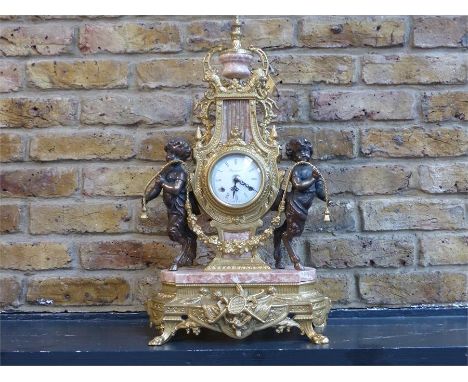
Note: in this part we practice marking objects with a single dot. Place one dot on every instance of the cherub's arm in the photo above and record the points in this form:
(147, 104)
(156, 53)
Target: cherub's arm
(178, 184)
(277, 201)
(299, 184)
(320, 189)
(155, 191)
(173, 188)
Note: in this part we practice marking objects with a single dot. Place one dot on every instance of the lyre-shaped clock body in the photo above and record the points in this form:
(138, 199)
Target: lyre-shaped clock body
(236, 178)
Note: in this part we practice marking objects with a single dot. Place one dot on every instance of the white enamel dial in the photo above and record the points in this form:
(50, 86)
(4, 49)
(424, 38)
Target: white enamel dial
(235, 179)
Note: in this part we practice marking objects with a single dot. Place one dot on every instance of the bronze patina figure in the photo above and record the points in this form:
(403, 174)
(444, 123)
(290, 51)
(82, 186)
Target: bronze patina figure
(173, 183)
(306, 184)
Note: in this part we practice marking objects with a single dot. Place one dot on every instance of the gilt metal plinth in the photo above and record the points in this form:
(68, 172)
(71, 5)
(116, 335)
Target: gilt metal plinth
(238, 304)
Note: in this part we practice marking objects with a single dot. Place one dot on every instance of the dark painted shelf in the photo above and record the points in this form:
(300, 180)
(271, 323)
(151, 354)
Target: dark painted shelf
(357, 337)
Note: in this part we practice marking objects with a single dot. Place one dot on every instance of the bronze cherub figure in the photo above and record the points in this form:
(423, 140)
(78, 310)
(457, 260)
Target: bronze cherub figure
(306, 184)
(172, 181)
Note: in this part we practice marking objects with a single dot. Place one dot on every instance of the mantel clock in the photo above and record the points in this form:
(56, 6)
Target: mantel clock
(236, 182)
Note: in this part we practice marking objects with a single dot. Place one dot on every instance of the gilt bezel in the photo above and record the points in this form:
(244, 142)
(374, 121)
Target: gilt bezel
(218, 158)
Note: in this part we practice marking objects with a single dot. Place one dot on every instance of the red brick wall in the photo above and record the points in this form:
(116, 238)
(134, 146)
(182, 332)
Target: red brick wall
(86, 104)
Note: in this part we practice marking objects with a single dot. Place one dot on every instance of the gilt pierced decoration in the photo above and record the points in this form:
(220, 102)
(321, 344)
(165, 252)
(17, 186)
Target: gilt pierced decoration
(238, 311)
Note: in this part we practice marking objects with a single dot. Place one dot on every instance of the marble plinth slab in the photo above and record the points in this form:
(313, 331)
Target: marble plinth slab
(275, 276)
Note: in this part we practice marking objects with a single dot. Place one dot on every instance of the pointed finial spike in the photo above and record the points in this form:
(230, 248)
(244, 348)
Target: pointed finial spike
(236, 33)
(273, 133)
(198, 137)
(198, 134)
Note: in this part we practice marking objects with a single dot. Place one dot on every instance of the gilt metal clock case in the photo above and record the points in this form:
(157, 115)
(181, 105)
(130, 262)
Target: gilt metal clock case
(265, 154)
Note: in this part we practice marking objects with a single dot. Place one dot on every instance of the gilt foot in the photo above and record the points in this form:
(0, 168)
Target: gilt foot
(308, 329)
(169, 329)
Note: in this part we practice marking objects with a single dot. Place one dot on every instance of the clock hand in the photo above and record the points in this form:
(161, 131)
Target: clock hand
(234, 188)
(249, 187)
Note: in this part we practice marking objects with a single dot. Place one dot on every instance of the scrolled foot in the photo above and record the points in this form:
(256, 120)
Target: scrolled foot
(160, 340)
(319, 339)
(157, 341)
(308, 329)
(169, 330)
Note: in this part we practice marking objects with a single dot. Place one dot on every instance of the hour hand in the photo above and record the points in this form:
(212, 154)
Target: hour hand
(234, 188)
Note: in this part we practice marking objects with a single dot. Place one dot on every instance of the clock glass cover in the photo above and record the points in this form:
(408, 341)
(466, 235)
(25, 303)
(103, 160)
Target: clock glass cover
(235, 179)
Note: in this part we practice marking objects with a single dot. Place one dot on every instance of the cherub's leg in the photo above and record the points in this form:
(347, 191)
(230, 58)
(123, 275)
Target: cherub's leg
(182, 234)
(277, 255)
(175, 263)
(287, 243)
(175, 234)
(183, 258)
(189, 248)
(192, 246)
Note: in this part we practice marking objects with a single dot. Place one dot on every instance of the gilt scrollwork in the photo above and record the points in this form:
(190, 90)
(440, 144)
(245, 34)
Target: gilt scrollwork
(259, 86)
(239, 311)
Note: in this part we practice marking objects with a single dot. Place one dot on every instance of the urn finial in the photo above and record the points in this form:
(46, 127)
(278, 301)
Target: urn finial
(236, 61)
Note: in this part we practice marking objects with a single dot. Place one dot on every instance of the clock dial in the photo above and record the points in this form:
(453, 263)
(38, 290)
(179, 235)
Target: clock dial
(235, 179)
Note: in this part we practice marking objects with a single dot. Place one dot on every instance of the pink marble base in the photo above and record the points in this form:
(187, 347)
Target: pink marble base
(275, 276)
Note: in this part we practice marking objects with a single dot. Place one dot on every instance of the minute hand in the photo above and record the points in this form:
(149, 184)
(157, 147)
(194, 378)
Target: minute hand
(250, 188)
